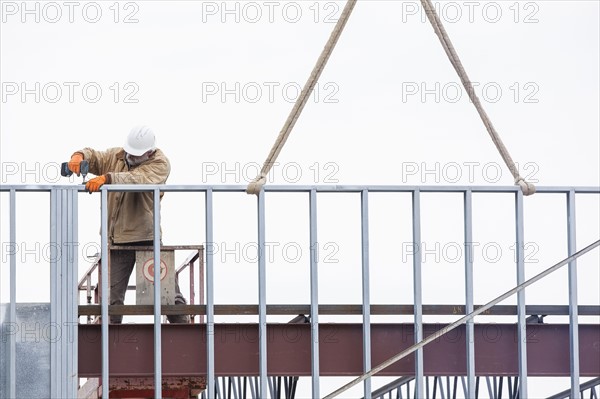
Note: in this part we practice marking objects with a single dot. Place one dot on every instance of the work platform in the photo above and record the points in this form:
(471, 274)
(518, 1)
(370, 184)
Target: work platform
(312, 347)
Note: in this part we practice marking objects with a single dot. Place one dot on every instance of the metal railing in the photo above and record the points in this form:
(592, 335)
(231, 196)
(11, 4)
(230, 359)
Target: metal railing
(419, 345)
(587, 386)
(435, 387)
(64, 230)
(93, 290)
(496, 387)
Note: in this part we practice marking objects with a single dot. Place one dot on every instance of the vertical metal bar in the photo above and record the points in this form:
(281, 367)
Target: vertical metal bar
(88, 281)
(201, 280)
(454, 388)
(59, 350)
(366, 302)
(54, 255)
(314, 295)
(491, 393)
(68, 304)
(573, 314)
(262, 296)
(105, 292)
(210, 311)
(271, 389)
(74, 294)
(192, 290)
(521, 315)
(56, 282)
(63, 290)
(157, 301)
(418, 303)
(12, 367)
(70, 281)
(470, 329)
(252, 387)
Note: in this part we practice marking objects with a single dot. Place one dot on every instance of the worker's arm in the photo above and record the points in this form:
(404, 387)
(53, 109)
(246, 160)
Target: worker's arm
(154, 171)
(101, 162)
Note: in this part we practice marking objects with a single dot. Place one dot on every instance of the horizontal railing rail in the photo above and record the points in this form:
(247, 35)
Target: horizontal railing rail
(305, 188)
(337, 310)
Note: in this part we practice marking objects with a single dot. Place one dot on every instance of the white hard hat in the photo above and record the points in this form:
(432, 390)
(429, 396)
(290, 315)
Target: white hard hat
(140, 140)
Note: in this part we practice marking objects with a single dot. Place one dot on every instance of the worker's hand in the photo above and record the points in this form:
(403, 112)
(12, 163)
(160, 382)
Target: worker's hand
(75, 162)
(94, 184)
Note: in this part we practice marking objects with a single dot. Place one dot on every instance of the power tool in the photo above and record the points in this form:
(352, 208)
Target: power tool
(84, 168)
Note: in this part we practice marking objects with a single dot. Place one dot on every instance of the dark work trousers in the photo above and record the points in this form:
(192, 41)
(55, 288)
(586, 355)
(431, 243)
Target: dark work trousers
(121, 267)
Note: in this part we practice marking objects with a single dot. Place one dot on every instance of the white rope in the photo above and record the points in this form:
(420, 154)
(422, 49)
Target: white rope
(255, 186)
(526, 187)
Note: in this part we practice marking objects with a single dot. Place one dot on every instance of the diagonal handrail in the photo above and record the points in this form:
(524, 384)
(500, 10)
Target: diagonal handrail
(462, 320)
(586, 385)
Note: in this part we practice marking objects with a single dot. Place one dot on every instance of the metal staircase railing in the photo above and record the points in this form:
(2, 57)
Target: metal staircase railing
(584, 388)
(496, 387)
(435, 388)
(463, 320)
(237, 387)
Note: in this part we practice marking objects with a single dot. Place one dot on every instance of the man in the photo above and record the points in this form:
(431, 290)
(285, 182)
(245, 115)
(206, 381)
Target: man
(130, 214)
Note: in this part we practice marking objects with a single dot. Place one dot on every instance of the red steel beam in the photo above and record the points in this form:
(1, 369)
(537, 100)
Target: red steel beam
(149, 393)
(340, 346)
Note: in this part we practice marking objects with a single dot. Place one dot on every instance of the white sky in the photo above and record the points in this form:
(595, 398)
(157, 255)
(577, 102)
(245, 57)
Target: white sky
(216, 81)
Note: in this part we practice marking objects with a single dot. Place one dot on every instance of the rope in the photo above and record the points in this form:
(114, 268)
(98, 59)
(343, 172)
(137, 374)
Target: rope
(462, 320)
(526, 187)
(256, 185)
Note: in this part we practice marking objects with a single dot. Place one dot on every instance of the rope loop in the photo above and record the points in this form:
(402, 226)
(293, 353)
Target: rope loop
(526, 187)
(256, 185)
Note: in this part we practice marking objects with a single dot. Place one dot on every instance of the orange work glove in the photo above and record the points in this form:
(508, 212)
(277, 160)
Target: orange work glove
(94, 184)
(74, 163)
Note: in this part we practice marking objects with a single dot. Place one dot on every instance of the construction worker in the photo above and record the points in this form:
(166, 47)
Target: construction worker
(130, 214)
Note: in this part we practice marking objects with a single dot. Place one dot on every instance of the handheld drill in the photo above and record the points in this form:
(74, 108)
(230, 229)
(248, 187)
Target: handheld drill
(84, 168)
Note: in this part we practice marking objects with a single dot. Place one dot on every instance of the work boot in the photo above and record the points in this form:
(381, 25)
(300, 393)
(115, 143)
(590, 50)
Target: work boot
(179, 319)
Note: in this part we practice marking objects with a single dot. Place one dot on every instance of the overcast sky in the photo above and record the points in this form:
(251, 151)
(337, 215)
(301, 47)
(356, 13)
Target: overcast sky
(216, 81)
